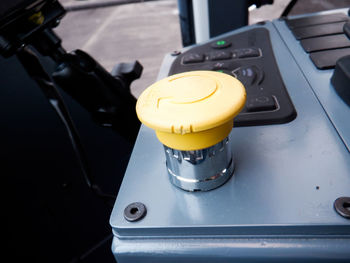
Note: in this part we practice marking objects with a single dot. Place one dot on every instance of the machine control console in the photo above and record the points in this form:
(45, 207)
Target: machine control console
(248, 56)
(289, 195)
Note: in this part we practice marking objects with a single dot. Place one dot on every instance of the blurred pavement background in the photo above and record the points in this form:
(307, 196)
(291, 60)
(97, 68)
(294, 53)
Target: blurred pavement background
(146, 30)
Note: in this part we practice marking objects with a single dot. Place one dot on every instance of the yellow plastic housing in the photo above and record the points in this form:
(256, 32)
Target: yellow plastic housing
(192, 110)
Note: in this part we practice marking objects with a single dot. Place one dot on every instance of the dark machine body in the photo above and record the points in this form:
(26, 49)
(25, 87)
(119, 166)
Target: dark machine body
(67, 126)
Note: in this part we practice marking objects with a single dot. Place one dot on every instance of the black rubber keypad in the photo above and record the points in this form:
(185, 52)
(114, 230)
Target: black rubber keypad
(324, 37)
(193, 58)
(318, 30)
(328, 58)
(247, 56)
(316, 20)
(325, 43)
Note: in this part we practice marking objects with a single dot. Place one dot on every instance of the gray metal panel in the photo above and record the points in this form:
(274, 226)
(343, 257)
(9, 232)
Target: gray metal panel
(225, 250)
(274, 189)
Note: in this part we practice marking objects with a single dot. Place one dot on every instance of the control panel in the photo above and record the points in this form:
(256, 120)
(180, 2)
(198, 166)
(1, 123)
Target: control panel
(289, 196)
(248, 56)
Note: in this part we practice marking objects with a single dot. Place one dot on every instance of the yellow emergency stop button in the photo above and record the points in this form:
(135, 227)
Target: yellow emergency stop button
(192, 110)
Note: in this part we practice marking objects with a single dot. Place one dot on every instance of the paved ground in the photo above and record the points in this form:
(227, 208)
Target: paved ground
(143, 31)
(146, 30)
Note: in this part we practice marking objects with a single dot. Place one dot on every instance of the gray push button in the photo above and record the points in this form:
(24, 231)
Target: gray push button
(248, 52)
(262, 103)
(220, 55)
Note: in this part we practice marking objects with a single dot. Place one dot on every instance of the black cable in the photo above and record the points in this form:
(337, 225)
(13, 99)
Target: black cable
(34, 68)
(288, 8)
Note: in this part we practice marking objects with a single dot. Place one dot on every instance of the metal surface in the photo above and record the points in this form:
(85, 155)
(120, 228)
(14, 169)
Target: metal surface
(200, 170)
(227, 250)
(279, 204)
(201, 20)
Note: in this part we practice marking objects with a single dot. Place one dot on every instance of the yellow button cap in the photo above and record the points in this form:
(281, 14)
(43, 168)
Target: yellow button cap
(192, 110)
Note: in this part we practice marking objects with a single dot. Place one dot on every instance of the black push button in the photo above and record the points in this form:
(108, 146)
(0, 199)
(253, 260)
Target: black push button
(346, 29)
(341, 78)
(220, 55)
(327, 59)
(318, 30)
(248, 52)
(316, 20)
(325, 42)
(220, 44)
(262, 103)
(193, 58)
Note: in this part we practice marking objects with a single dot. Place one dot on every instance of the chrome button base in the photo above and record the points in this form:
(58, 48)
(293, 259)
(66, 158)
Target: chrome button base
(200, 170)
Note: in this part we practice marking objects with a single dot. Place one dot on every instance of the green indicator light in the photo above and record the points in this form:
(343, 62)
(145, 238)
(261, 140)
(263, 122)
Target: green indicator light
(220, 70)
(221, 42)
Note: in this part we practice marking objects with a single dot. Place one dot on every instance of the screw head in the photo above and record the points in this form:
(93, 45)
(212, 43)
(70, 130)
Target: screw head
(175, 53)
(135, 211)
(342, 205)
